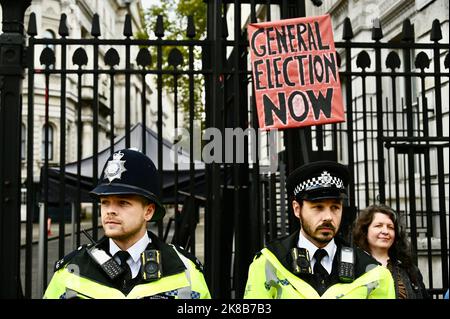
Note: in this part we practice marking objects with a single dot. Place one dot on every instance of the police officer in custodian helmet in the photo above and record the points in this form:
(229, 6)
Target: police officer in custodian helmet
(130, 261)
(312, 263)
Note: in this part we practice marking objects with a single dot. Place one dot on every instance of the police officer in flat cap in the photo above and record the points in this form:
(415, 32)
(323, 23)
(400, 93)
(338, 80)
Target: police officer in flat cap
(313, 263)
(130, 261)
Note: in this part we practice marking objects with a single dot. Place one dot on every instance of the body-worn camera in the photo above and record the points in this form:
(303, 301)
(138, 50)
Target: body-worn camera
(300, 261)
(151, 265)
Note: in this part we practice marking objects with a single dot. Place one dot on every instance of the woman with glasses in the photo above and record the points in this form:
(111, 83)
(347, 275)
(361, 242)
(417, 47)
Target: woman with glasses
(377, 231)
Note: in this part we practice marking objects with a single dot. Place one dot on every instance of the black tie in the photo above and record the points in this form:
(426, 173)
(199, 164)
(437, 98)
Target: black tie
(123, 256)
(319, 271)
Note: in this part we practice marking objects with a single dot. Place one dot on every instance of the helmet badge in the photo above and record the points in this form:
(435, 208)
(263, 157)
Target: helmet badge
(115, 167)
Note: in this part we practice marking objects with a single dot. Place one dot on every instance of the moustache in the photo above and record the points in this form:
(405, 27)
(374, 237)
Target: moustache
(327, 225)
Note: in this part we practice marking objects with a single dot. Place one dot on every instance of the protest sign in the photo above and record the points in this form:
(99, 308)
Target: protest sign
(295, 73)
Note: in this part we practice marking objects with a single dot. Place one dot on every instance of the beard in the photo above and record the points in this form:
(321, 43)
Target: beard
(314, 234)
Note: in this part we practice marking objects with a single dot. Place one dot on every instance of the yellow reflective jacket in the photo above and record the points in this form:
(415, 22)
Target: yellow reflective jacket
(78, 276)
(270, 277)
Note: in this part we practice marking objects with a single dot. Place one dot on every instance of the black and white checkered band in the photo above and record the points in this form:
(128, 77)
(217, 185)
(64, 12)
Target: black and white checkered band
(324, 180)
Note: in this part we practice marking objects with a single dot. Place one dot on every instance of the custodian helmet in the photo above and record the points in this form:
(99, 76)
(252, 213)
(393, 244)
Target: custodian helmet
(130, 172)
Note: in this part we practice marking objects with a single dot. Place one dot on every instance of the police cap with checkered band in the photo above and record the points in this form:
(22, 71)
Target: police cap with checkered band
(318, 180)
(130, 172)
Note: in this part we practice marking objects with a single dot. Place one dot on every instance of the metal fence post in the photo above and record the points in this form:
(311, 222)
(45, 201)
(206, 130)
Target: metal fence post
(12, 42)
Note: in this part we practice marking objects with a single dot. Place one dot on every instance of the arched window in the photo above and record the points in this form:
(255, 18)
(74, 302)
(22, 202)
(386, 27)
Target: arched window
(23, 144)
(49, 142)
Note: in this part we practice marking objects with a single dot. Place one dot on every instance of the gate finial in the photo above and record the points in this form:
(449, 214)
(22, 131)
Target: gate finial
(347, 33)
(32, 28)
(95, 31)
(190, 32)
(377, 33)
(407, 32)
(159, 28)
(436, 33)
(63, 30)
(127, 27)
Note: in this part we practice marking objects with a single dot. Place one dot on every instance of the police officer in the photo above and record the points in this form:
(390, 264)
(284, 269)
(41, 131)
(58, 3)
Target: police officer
(129, 262)
(312, 262)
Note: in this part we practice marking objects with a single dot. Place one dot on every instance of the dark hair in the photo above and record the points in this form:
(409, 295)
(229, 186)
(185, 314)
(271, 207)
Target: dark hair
(400, 249)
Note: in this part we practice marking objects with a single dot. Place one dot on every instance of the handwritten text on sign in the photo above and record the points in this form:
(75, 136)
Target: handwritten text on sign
(295, 73)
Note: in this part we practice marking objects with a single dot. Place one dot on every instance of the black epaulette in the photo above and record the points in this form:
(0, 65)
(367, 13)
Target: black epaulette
(258, 254)
(191, 257)
(63, 261)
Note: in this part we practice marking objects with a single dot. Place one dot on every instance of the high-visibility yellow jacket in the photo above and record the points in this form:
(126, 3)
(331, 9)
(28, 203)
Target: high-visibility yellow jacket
(270, 277)
(79, 276)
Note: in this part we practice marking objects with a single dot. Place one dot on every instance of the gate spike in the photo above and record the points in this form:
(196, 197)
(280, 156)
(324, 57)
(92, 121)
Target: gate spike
(159, 28)
(347, 33)
(190, 32)
(127, 28)
(95, 31)
(407, 32)
(175, 57)
(32, 28)
(377, 33)
(436, 33)
(63, 30)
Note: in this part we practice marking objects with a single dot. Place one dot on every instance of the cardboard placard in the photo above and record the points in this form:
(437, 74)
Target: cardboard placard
(295, 73)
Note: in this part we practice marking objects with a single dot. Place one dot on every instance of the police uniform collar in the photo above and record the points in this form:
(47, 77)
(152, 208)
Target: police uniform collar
(281, 247)
(135, 250)
(330, 248)
(171, 262)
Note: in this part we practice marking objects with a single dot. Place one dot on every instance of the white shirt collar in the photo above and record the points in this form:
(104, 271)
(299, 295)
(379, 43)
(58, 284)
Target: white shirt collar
(135, 250)
(330, 248)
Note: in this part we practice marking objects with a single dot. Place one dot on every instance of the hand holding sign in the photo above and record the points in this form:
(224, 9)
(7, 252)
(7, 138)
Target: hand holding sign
(295, 73)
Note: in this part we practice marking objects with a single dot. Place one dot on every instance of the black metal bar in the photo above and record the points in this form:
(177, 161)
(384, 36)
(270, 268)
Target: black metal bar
(366, 157)
(62, 152)
(428, 195)
(11, 74)
(177, 214)
(79, 155)
(159, 125)
(440, 157)
(379, 116)
(395, 127)
(111, 113)
(372, 145)
(192, 221)
(213, 235)
(203, 43)
(349, 109)
(46, 158)
(144, 114)
(411, 161)
(127, 94)
(30, 174)
(95, 111)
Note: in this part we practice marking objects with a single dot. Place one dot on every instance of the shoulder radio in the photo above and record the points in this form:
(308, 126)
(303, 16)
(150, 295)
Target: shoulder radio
(346, 265)
(105, 261)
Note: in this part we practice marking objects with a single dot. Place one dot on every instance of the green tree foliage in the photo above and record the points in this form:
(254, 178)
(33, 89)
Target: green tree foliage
(175, 13)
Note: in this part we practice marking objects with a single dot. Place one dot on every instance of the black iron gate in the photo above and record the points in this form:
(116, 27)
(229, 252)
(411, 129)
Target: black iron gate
(394, 146)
